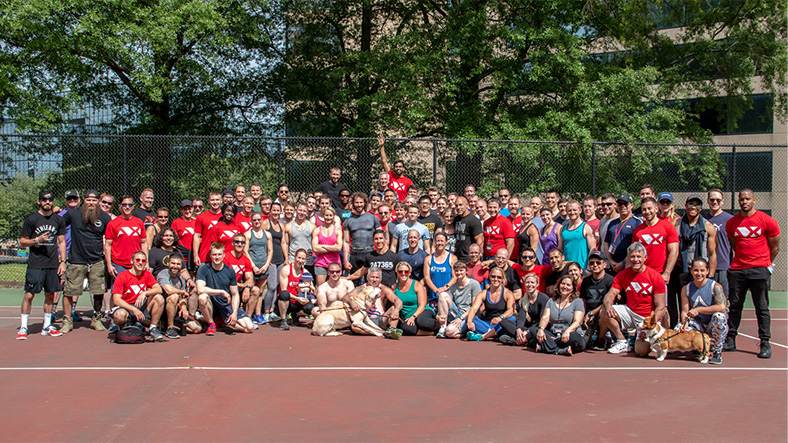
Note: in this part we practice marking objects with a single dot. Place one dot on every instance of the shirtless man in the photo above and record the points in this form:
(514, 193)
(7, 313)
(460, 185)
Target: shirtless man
(377, 312)
(333, 289)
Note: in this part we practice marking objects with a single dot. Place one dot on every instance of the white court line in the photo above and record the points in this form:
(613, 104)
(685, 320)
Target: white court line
(756, 338)
(392, 368)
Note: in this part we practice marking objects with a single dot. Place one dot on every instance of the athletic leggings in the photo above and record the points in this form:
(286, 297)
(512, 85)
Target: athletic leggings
(552, 343)
(484, 326)
(273, 284)
(717, 328)
(425, 322)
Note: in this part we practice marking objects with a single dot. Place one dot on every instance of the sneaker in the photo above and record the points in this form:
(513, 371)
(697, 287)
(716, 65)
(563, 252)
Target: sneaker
(172, 333)
(619, 347)
(51, 331)
(766, 349)
(393, 333)
(716, 358)
(507, 340)
(730, 344)
(113, 328)
(283, 326)
(107, 316)
(155, 333)
(600, 344)
(68, 325)
(22, 334)
(75, 316)
(272, 317)
(564, 351)
(95, 322)
(258, 320)
(441, 332)
(474, 336)
(211, 331)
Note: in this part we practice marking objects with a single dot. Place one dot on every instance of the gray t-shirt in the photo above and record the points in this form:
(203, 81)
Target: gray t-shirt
(564, 317)
(402, 230)
(361, 227)
(463, 297)
(164, 278)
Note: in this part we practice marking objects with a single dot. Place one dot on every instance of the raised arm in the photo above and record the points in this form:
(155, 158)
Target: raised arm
(383, 158)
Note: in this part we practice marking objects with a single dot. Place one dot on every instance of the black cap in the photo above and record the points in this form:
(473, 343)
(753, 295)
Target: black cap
(624, 197)
(92, 193)
(45, 195)
(185, 203)
(694, 197)
(72, 193)
(227, 192)
(596, 253)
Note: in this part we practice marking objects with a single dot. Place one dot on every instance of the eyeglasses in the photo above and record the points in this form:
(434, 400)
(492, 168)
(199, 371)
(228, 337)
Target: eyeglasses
(622, 203)
(403, 272)
(665, 202)
(72, 198)
(595, 263)
(284, 191)
(333, 272)
(126, 205)
(49, 199)
(694, 205)
(503, 195)
(197, 207)
(715, 200)
(140, 260)
(528, 257)
(344, 196)
(105, 202)
(606, 204)
(239, 242)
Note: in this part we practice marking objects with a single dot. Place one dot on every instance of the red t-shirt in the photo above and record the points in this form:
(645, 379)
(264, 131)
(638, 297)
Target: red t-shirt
(399, 185)
(641, 288)
(240, 265)
(185, 231)
(204, 225)
(223, 233)
(243, 222)
(517, 223)
(656, 240)
(750, 240)
(542, 271)
(496, 231)
(478, 273)
(126, 236)
(130, 286)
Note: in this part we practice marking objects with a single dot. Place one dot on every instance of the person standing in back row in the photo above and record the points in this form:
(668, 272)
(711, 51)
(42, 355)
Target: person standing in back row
(397, 180)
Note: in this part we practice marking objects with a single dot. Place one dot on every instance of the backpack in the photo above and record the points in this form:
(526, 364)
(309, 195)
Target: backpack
(131, 333)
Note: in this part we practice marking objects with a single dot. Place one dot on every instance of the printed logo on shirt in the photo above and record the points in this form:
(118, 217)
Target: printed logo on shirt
(749, 232)
(397, 186)
(246, 226)
(493, 230)
(187, 231)
(227, 234)
(131, 231)
(641, 289)
(653, 239)
(135, 289)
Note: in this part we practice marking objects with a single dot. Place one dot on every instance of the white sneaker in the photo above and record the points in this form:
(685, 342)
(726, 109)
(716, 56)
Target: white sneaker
(441, 332)
(619, 347)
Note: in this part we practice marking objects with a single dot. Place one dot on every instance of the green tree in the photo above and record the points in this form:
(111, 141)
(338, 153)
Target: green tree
(18, 198)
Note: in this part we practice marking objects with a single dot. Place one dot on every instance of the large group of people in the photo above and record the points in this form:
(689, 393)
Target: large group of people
(555, 274)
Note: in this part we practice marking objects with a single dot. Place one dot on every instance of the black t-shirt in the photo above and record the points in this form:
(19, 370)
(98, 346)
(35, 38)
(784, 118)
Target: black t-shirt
(535, 311)
(432, 222)
(465, 230)
(552, 277)
(87, 241)
(159, 259)
(327, 188)
(512, 279)
(593, 291)
(148, 217)
(43, 255)
(387, 262)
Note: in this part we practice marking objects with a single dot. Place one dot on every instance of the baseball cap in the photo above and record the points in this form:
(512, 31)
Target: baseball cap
(45, 195)
(624, 197)
(596, 253)
(91, 193)
(665, 196)
(227, 192)
(72, 193)
(695, 197)
(185, 203)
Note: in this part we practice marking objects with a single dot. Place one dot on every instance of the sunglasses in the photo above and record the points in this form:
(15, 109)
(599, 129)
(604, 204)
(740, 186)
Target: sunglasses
(665, 202)
(528, 257)
(105, 202)
(333, 272)
(496, 277)
(239, 242)
(344, 196)
(606, 204)
(694, 205)
(140, 260)
(198, 207)
(126, 205)
(163, 217)
(72, 198)
(595, 263)
(403, 272)
(50, 199)
(715, 200)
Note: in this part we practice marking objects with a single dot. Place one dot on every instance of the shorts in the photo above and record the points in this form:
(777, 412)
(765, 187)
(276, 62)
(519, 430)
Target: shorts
(627, 318)
(144, 310)
(454, 313)
(225, 310)
(319, 270)
(46, 279)
(76, 274)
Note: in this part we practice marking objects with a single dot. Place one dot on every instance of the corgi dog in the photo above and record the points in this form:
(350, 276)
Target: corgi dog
(663, 340)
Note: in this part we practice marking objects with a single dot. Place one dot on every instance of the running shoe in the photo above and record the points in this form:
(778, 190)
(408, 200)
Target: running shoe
(156, 333)
(272, 317)
(172, 333)
(22, 334)
(393, 333)
(474, 336)
(75, 316)
(441, 332)
(211, 331)
(619, 347)
(51, 331)
(716, 358)
(113, 328)
(565, 351)
(507, 340)
(283, 326)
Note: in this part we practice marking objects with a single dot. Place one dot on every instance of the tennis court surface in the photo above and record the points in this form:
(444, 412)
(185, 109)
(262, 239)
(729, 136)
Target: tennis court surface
(277, 386)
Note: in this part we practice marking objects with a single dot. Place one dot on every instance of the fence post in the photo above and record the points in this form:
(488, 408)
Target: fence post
(733, 178)
(593, 169)
(279, 162)
(434, 163)
(125, 168)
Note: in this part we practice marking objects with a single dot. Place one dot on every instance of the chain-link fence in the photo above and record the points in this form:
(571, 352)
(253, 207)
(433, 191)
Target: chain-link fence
(186, 167)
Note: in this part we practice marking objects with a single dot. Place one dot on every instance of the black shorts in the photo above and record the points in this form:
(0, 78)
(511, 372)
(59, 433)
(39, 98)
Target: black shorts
(143, 308)
(46, 279)
(225, 310)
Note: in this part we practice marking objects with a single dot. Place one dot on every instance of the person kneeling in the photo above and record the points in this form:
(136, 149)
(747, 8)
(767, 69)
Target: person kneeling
(217, 289)
(137, 296)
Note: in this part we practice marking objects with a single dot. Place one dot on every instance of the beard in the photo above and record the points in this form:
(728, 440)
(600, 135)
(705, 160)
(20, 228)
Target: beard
(90, 214)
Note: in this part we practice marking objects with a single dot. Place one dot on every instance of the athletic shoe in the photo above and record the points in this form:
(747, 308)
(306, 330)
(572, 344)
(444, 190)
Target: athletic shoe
(254, 319)
(113, 328)
(68, 325)
(441, 332)
(155, 333)
(107, 316)
(22, 334)
(283, 326)
(172, 333)
(716, 358)
(211, 331)
(51, 331)
(95, 322)
(393, 333)
(564, 351)
(619, 347)
(730, 344)
(766, 349)
(75, 316)
(600, 344)
(507, 340)
(272, 317)
(474, 336)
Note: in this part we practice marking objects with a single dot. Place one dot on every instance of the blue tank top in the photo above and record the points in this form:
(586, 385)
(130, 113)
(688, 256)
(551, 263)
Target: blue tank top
(702, 297)
(575, 246)
(548, 243)
(440, 274)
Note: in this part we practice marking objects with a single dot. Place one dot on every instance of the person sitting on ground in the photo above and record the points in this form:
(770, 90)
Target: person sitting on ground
(560, 328)
(383, 311)
(176, 295)
(529, 311)
(333, 289)
(217, 292)
(498, 303)
(417, 317)
(592, 291)
(704, 308)
(137, 296)
(453, 304)
(290, 301)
